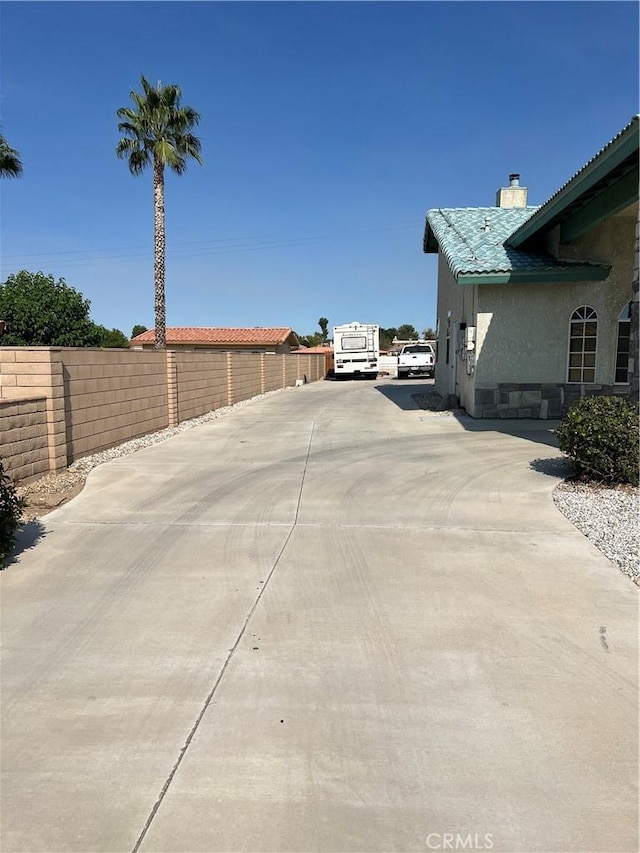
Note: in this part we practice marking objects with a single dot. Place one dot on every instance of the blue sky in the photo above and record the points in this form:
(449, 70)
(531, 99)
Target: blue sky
(328, 131)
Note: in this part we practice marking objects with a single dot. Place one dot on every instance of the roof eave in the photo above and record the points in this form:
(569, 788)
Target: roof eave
(429, 242)
(595, 272)
(616, 153)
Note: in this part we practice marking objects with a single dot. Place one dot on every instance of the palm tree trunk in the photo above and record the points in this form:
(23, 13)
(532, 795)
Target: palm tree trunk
(158, 253)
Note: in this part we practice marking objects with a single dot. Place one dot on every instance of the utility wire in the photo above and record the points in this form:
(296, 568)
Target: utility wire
(226, 245)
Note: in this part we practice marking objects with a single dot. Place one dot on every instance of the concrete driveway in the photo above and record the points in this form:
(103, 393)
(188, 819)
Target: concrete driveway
(327, 621)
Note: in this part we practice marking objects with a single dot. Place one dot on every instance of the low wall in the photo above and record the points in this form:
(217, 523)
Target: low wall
(23, 432)
(245, 375)
(89, 399)
(201, 383)
(110, 397)
(388, 364)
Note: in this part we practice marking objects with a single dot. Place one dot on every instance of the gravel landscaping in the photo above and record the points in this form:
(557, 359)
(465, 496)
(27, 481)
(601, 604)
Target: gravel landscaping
(608, 516)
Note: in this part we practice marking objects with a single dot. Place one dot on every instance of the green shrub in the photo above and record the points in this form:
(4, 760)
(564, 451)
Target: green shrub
(600, 435)
(11, 507)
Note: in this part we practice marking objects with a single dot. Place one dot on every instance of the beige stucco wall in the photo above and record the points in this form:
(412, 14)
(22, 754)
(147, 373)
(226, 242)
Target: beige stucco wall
(523, 329)
(460, 302)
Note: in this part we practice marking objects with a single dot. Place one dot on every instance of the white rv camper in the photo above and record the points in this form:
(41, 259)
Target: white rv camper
(356, 349)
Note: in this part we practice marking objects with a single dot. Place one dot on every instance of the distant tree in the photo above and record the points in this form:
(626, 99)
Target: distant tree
(10, 165)
(407, 333)
(387, 336)
(39, 311)
(112, 338)
(138, 330)
(323, 323)
(157, 133)
(429, 334)
(313, 340)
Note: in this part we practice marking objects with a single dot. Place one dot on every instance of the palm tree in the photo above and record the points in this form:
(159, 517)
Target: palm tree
(10, 165)
(157, 132)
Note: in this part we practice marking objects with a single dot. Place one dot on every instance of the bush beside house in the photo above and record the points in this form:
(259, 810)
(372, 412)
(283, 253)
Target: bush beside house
(11, 507)
(600, 435)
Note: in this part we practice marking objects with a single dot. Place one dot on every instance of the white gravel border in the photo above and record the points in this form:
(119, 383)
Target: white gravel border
(87, 463)
(608, 516)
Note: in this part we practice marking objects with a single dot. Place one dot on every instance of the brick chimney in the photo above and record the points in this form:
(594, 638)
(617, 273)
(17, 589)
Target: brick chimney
(512, 196)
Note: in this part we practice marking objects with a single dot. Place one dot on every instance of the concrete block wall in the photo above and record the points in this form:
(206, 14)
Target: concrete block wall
(292, 371)
(245, 376)
(311, 366)
(96, 398)
(31, 371)
(272, 372)
(25, 440)
(112, 396)
(201, 383)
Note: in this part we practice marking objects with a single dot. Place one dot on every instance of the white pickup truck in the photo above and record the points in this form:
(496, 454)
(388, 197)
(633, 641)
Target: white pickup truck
(418, 358)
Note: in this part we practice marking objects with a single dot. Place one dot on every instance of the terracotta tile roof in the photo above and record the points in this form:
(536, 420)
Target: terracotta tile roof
(306, 350)
(208, 335)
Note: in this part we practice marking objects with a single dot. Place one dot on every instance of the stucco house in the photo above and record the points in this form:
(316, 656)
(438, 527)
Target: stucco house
(206, 339)
(535, 305)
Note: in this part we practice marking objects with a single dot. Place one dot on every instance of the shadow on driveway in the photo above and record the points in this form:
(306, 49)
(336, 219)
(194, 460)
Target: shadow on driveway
(530, 429)
(27, 537)
(402, 394)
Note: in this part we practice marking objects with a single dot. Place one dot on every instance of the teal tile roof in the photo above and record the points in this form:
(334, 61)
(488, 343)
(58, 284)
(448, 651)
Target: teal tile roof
(473, 242)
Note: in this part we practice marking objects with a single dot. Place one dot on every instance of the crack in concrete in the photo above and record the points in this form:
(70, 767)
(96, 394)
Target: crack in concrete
(241, 634)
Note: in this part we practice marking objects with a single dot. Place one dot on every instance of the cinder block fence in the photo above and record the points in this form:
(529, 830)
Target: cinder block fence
(59, 404)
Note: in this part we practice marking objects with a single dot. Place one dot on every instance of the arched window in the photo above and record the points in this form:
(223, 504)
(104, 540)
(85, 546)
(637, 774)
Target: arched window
(622, 345)
(583, 333)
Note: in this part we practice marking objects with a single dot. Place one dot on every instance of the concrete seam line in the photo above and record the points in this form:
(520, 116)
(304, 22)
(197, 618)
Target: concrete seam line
(212, 692)
(304, 474)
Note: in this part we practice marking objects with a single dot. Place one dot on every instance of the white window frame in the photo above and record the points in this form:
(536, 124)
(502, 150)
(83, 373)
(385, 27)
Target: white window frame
(584, 314)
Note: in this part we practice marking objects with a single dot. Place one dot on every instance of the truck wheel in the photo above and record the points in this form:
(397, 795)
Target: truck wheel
(403, 374)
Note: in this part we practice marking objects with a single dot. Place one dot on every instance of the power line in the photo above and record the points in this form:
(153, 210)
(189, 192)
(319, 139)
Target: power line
(224, 245)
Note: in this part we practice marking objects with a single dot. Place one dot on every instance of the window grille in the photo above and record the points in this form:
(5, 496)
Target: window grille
(583, 335)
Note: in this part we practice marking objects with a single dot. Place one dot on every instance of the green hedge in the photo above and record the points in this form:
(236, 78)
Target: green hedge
(600, 435)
